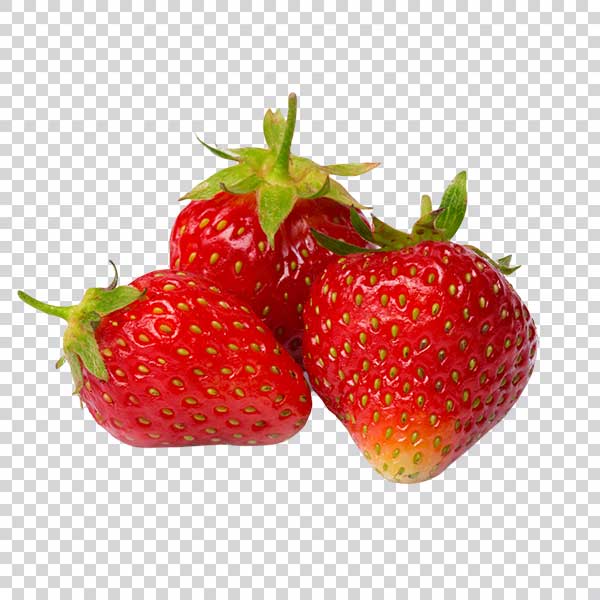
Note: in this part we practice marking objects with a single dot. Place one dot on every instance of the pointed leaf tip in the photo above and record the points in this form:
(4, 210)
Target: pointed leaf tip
(275, 202)
(218, 152)
(360, 226)
(350, 169)
(454, 203)
(337, 246)
(273, 128)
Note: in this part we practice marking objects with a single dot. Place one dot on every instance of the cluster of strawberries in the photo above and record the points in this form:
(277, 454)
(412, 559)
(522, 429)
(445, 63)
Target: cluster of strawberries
(417, 344)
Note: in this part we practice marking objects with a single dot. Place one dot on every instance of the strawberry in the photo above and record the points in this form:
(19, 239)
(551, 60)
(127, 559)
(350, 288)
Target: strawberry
(249, 230)
(419, 348)
(172, 361)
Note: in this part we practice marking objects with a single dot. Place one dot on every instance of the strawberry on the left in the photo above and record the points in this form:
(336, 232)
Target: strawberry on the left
(171, 360)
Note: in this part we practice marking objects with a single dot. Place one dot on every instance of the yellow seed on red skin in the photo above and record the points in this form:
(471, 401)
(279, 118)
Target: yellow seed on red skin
(165, 328)
(195, 329)
(107, 398)
(121, 342)
(168, 287)
(238, 266)
(107, 352)
(143, 421)
(192, 257)
(214, 257)
(143, 369)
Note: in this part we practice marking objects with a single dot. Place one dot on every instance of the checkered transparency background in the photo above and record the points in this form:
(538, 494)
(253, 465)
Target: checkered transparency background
(98, 111)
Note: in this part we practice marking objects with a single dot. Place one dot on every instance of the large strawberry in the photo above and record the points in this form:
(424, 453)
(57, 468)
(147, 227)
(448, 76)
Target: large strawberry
(421, 347)
(172, 361)
(250, 232)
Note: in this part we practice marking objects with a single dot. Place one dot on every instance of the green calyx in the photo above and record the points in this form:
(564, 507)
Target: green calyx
(277, 177)
(79, 341)
(433, 225)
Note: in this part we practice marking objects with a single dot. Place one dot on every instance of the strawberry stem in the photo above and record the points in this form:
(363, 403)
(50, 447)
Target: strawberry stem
(281, 168)
(79, 342)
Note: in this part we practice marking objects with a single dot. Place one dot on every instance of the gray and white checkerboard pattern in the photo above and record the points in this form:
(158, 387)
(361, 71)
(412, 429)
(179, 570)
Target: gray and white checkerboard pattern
(98, 111)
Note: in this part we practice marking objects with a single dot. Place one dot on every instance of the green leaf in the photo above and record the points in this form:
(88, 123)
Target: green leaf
(243, 187)
(426, 206)
(105, 301)
(426, 227)
(502, 264)
(217, 152)
(314, 184)
(253, 157)
(76, 371)
(388, 237)
(350, 169)
(454, 203)
(360, 226)
(300, 166)
(340, 194)
(337, 246)
(273, 128)
(80, 340)
(275, 202)
(212, 186)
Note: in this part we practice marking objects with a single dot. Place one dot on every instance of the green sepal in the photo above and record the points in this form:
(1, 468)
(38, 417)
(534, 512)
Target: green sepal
(276, 167)
(275, 202)
(242, 187)
(426, 228)
(350, 169)
(79, 341)
(218, 152)
(273, 128)
(433, 225)
(230, 177)
(338, 246)
(389, 238)
(360, 226)
(502, 264)
(341, 195)
(258, 159)
(315, 184)
(454, 205)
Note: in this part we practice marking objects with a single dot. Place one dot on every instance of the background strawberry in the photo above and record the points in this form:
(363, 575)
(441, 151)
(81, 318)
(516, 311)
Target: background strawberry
(251, 232)
(418, 351)
(170, 361)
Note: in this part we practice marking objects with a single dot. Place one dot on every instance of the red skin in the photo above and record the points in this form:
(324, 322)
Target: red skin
(275, 282)
(182, 390)
(382, 429)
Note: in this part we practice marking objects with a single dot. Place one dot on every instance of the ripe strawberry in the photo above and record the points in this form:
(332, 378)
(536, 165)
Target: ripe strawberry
(251, 232)
(172, 361)
(418, 351)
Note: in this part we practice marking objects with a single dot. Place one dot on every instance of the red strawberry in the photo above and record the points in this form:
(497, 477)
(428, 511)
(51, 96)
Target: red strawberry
(251, 232)
(170, 361)
(418, 351)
